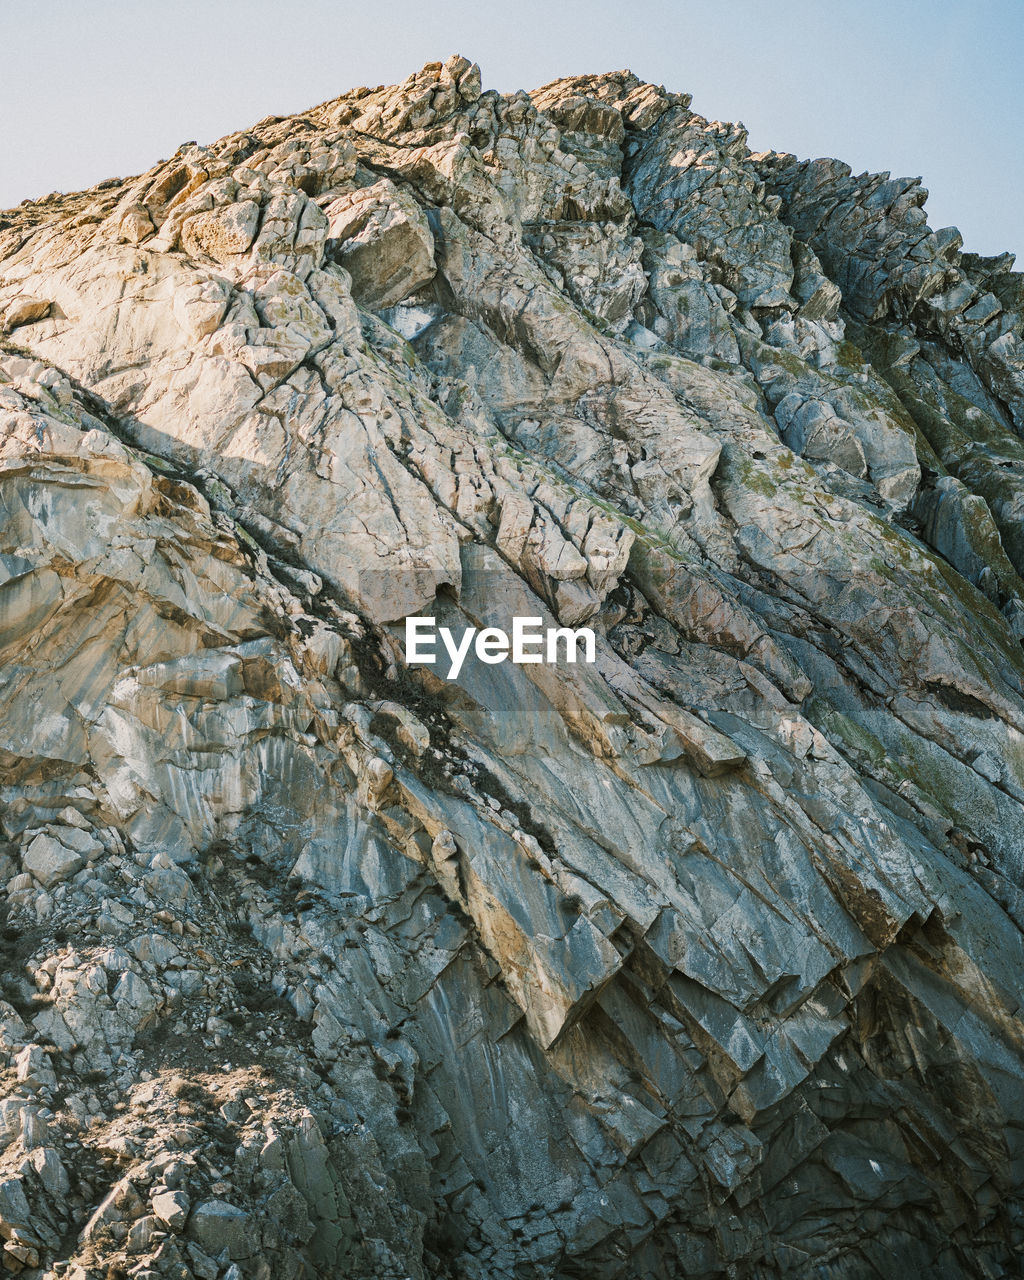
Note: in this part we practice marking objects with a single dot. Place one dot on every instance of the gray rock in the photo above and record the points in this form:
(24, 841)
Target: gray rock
(50, 861)
(140, 1236)
(15, 1213)
(512, 974)
(51, 1172)
(217, 1227)
(171, 1207)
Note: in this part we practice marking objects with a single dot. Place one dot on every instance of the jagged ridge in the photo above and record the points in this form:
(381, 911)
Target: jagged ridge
(703, 962)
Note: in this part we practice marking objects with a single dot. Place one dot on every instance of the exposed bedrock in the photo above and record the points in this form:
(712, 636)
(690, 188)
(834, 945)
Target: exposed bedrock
(701, 961)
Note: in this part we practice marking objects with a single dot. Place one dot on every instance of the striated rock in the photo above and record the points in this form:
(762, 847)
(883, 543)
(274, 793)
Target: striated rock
(959, 524)
(704, 958)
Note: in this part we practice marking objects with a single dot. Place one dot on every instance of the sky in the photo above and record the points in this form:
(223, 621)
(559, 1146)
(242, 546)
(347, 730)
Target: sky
(91, 89)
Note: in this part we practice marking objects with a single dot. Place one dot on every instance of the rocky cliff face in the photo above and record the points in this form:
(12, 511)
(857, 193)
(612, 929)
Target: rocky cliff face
(704, 961)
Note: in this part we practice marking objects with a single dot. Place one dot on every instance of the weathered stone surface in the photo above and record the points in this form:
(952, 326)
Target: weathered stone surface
(705, 959)
(382, 238)
(24, 311)
(171, 1207)
(49, 860)
(216, 1225)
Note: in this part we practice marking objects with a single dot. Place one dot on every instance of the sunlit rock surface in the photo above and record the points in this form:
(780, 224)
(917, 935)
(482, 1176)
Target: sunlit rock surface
(702, 961)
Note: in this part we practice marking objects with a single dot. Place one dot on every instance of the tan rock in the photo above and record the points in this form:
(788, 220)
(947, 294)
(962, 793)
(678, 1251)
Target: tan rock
(383, 241)
(24, 310)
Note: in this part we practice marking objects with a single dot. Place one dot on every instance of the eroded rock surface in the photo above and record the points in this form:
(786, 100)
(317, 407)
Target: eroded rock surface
(702, 961)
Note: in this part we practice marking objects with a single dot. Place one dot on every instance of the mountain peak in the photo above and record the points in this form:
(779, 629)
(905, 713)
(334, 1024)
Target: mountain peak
(686, 941)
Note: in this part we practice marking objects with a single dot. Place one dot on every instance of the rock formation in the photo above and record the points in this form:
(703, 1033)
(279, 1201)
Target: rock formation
(704, 961)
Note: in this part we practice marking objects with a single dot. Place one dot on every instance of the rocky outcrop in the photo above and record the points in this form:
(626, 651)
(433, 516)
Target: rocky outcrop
(704, 960)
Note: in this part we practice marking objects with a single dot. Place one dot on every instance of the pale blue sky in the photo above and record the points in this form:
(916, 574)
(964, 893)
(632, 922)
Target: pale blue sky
(90, 89)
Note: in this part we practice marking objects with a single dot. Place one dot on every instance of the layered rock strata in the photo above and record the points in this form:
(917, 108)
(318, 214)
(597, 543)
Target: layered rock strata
(704, 961)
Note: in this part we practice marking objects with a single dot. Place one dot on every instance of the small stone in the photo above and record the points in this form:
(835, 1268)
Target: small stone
(32, 1066)
(140, 1237)
(24, 1254)
(203, 1265)
(50, 861)
(171, 1207)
